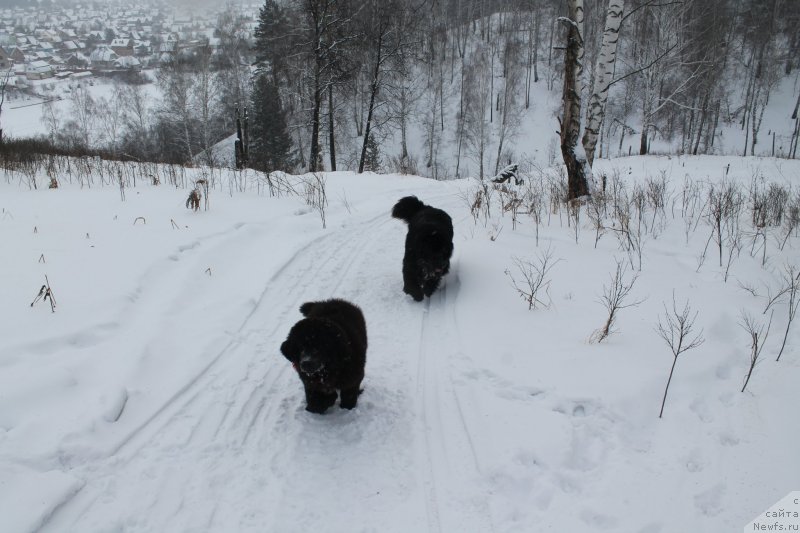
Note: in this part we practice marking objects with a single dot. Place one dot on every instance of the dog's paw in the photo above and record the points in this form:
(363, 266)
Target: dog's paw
(349, 398)
(415, 293)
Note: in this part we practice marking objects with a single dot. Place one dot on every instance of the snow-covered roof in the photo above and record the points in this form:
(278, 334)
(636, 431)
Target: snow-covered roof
(127, 62)
(39, 66)
(103, 54)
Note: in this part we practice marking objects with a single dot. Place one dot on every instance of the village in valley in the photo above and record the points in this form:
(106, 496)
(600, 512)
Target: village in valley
(53, 47)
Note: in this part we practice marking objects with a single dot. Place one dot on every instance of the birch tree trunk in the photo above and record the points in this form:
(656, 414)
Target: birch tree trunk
(577, 185)
(604, 74)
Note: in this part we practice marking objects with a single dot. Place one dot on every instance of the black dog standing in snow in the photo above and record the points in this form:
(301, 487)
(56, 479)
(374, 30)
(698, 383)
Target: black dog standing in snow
(328, 349)
(429, 245)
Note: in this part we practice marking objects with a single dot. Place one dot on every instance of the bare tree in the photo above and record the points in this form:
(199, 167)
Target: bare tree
(204, 94)
(176, 85)
(791, 280)
(137, 118)
(659, 71)
(83, 114)
(112, 117)
(326, 30)
(535, 280)
(403, 92)
(51, 118)
(6, 76)
(758, 337)
(676, 330)
(385, 39)
(233, 60)
(615, 299)
(759, 24)
(508, 110)
(477, 105)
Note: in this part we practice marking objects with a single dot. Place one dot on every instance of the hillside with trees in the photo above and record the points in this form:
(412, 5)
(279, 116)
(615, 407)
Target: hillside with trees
(454, 88)
(458, 76)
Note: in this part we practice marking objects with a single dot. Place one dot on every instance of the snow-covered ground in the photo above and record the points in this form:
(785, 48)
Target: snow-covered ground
(155, 398)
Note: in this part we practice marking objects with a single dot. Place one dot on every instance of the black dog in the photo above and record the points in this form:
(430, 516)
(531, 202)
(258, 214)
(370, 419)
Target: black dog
(328, 349)
(429, 245)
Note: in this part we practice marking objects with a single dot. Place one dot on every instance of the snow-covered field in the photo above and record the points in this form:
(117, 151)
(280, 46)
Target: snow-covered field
(155, 398)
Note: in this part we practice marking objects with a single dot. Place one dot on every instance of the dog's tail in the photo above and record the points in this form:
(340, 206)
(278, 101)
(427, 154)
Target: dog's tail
(407, 207)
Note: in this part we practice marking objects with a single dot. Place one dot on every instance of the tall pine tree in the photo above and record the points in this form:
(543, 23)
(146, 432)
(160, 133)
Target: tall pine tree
(270, 142)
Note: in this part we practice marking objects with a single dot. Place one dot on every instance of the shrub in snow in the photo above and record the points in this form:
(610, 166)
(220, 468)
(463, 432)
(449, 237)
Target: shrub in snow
(676, 330)
(614, 299)
(758, 337)
(535, 283)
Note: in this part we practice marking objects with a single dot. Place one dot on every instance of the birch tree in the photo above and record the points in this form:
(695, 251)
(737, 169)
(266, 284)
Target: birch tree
(112, 118)
(577, 182)
(176, 109)
(507, 108)
(205, 98)
(477, 104)
(83, 113)
(603, 78)
(137, 116)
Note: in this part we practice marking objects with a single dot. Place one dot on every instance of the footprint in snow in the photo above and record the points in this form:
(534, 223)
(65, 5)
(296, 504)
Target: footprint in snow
(709, 502)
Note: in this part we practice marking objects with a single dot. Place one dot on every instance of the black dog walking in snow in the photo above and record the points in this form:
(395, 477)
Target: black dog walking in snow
(328, 349)
(429, 245)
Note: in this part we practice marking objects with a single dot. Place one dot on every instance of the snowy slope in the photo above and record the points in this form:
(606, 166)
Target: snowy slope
(155, 397)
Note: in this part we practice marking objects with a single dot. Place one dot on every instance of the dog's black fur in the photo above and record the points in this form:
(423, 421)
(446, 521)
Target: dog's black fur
(328, 348)
(429, 245)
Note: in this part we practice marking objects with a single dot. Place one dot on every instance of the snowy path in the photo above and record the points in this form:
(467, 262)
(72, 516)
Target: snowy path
(233, 449)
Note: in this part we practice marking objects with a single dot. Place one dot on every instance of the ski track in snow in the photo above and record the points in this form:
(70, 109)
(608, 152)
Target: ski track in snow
(224, 399)
(448, 447)
(236, 442)
(180, 414)
(447, 436)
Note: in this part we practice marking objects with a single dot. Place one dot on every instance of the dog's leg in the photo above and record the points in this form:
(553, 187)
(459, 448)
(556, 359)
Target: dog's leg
(349, 397)
(411, 284)
(430, 286)
(318, 401)
(414, 290)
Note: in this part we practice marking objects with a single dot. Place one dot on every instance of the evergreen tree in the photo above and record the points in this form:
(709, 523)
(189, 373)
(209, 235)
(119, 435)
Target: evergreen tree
(274, 39)
(372, 155)
(270, 142)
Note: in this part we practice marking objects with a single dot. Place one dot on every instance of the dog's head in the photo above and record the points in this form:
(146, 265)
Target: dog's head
(435, 249)
(316, 348)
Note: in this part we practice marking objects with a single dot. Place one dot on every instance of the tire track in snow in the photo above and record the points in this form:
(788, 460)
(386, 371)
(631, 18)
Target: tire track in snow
(332, 272)
(299, 267)
(365, 455)
(329, 256)
(424, 389)
(448, 442)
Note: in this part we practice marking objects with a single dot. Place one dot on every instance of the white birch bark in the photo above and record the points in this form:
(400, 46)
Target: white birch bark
(604, 75)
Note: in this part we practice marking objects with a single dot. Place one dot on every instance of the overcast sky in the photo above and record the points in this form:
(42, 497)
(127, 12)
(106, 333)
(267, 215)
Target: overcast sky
(189, 4)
